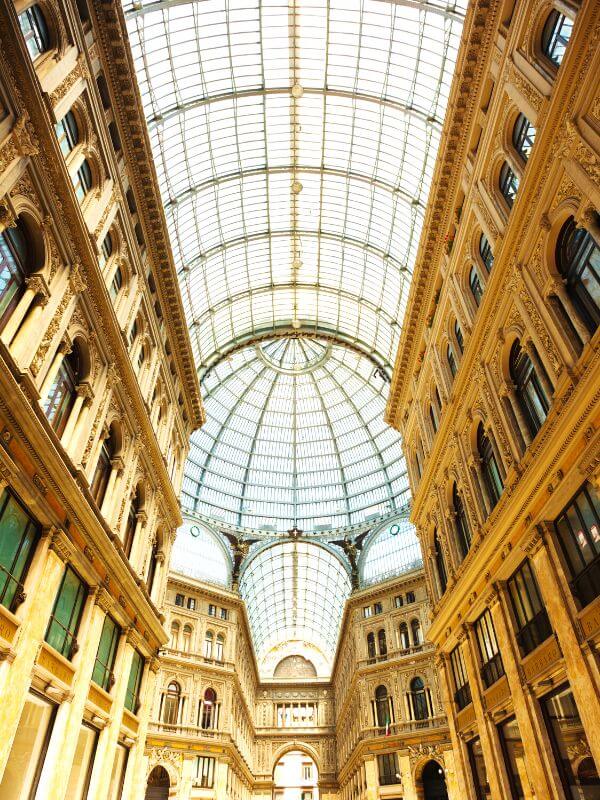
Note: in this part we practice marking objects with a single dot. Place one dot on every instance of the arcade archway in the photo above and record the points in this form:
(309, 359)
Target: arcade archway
(158, 784)
(433, 782)
(295, 777)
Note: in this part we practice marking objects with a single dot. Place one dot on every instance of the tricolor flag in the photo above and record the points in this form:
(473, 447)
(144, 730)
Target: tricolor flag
(388, 730)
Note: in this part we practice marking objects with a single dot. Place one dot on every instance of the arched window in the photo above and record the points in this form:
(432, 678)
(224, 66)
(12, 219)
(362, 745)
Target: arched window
(382, 643)
(63, 391)
(417, 635)
(372, 652)
(103, 468)
(132, 514)
(463, 529)
(490, 471)
(116, 284)
(172, 700)
(209, 718)
(82, 180)
(419, 459)
(475, 285)
(175, 635)
(152, 566)
(578, 261)
(410, 597)
(523, 136)
(35, 31)
(187, 638)
(133, 333)
(219, 644)
(485, 251)
(383, 716)
(555, 36)
(404, 638)
(440, 563)
(508, 184)
(528, 389)
(451, 360)
(433, 416)
(106, 250)
(67, 132)
(459, 337)
(419, 704)
(208, 644)
(14, 261)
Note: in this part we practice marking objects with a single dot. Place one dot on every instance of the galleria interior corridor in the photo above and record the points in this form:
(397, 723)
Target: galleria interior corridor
(299, 400)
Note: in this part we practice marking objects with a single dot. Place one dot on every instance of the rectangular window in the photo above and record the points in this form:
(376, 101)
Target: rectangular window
(179, 600)
(19, 534)
(28, 749)
(462, 696)
(579, 778)
(191, 603)
(66, 614)
(367, 611)
(389, 773)
(398, 601)
(212, 611)
(533, 626)
(117, 777)
(205, 771)
(492, 667)
(578, 531)
(377, 608)
(478, 770)
(105, 658)
(81, 771)
(514, 759)
(134, 683)
(223, 613)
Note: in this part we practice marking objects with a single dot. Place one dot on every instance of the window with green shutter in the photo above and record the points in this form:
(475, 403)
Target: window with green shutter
(19, 534)
(66, 614)
(107, 650)
(135, 680)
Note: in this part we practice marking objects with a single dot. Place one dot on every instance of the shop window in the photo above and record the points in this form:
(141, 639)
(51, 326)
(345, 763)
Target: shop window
(490, 471)
(492, 668)
(523, 136)
(132, 695)
(117, 776)
(555, 36)
(462, 695)
(15, 257)
(66, 614)
(19, 534)
(485, 251)
(531, 619)
(463, 529)
(35, 31)
(578, 261)
(389, 772)
(508, 184)
(475, 286)
(528, 389)
(67, 132)
(28, 749)
(514, 759)
(107, 652)
(578, 531)
(478, 770)
(83, 761)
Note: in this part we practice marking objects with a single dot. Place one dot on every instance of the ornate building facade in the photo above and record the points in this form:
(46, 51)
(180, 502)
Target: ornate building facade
(496, 393)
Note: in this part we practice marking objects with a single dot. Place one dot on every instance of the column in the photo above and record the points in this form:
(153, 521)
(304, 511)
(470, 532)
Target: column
(155, 589)
(221, 772)
(527, 711)
(491, 753)
(27, 298)
(409, 791)
(108, 503)
(540, 370)
(107, 741)
(134, 787)
(25, 341)
(553, 585)
(462, 775)
(509, 390)
(83, 392)
(81, 426)
(556, 286)
(67, 723)
(141, 520)
(372, 778)
(63, 349)
(41, 586)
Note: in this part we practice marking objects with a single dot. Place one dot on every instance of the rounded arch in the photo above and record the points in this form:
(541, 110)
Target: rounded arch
(168, 768)
(383, 548)
(28, 220)
(430, 776)
(292, 746)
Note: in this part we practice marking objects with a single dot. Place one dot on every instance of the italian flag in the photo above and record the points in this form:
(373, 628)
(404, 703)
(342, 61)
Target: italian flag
(388, 730)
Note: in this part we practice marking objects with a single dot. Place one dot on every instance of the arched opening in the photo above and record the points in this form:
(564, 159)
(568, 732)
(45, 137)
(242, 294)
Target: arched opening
(587, 774)
(172, 702)
(434, 782)
(419, 700)
(158, 784)
(209, 718)
(295, 777)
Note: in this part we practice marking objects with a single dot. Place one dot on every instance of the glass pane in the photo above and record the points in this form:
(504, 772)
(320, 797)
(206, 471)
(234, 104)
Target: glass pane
(515, 759)
(34, 726)
(118, 773)
(82, 763)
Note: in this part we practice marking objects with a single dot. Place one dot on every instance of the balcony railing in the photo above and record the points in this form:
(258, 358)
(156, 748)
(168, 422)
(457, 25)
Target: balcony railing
(175, 653)
(186, 730)
(403, 727)
(401, 652)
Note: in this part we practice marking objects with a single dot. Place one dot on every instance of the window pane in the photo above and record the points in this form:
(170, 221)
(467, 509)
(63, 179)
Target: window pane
(118, 773)
(82, 763)
(27, 749)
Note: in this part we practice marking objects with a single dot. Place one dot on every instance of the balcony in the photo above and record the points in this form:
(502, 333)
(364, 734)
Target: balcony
(406, 727)
(170, 652)
(187, 731)
(399, 653)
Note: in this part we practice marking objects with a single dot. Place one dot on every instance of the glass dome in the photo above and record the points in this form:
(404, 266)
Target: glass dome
(295, 437)
(391, 551)
(201, 553)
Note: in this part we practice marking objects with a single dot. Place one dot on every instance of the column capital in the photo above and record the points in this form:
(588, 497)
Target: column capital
(84, 390)
(103, 599)
(61, 545)
(534, 542)
(38, 285)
